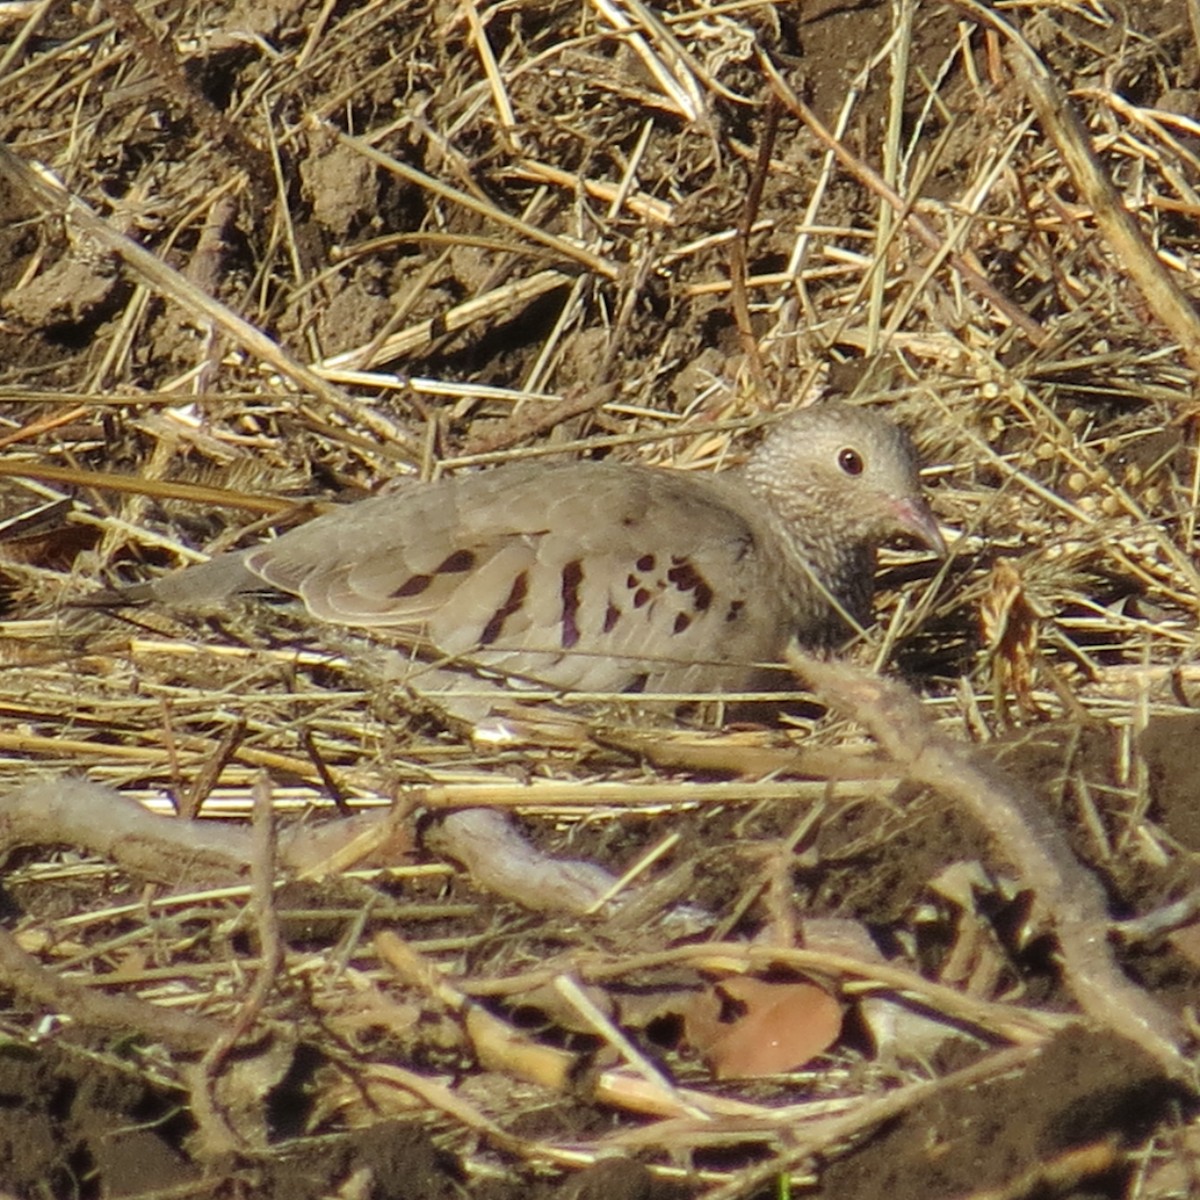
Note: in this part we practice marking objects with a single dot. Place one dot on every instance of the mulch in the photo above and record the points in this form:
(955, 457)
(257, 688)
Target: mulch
(258, 259)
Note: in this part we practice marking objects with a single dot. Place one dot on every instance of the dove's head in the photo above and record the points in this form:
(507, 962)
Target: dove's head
(842, 477)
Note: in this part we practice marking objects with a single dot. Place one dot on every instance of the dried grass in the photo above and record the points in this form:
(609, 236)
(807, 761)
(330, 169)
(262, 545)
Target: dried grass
(418, 238)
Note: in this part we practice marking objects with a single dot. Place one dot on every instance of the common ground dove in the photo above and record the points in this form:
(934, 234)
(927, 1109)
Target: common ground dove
(593, 576)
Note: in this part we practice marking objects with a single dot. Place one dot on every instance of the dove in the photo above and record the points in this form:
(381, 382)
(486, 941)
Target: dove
(605, 577)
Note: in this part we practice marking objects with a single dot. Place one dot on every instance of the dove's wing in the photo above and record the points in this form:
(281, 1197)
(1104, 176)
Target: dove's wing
(586, 576)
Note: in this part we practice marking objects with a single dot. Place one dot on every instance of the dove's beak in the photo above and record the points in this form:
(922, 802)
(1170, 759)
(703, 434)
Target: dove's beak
(914, 518)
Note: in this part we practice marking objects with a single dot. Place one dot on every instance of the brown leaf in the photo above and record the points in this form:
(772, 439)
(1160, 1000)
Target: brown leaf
(778, 1026)
(1010, 627)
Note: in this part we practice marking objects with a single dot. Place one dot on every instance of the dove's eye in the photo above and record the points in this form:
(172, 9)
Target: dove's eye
(850, 461)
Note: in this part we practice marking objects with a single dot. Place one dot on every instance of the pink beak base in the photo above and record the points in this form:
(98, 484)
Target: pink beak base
(914, 518)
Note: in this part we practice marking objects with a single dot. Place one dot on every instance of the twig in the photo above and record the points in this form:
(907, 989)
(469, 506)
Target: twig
(50, 195)
(920, 226)
(75, 812)
(499, 859)
(490, 212)
(995, 1019)
(95, 1010)
(1060, 1175)
(498, 302)
(1070, 897)
(739, 247)
(138, 485)
(525, 426)
(1062, 124)
(266, 921)
(822, 1135)
(163, 68)
(210, 771)
(499, 1045)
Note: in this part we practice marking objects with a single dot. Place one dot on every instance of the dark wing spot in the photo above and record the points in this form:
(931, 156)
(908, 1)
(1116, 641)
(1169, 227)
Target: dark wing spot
(682, 621)
(687, 579)
(414, 585)
(646, 562)
(641, 598)
(735, 610)
(682, 574)
(572, 577)
(457, 563)
(637, 683)
(612, 614)
(631, 581)
(516, 597)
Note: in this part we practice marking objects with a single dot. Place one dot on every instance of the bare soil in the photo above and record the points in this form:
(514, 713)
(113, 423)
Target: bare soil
(556, 229)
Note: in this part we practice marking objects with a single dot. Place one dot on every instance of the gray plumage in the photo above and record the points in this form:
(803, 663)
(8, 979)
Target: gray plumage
(607, 577)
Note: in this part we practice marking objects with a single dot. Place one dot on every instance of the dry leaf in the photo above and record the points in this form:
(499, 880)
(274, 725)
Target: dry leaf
(1009, 624)
(777, 1026)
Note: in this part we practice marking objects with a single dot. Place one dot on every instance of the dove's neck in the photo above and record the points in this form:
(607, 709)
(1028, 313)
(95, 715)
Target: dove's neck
(830, 568)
